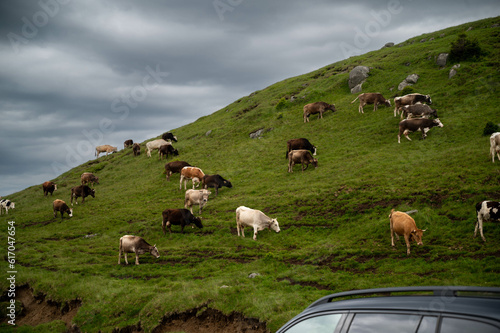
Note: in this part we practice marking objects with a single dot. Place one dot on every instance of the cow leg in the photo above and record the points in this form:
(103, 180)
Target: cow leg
(216, 190)
(360, 108)
(407, 240)
(119, 256)
(125, 256)
(255, 229)
(405, 133)
(375, 107)
(479, 225)
(180, 182)
(137, 258)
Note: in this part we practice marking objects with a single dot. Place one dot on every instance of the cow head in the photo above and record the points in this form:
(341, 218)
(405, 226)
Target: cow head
(91, 192)
(175, 152)
(197, 222)
(70, 214)
(438, 122)
(434, 113)
(332, 107)
(387, 102)
(314, 162)
(274, 225)
(417, 235)
(154, 251)
(428, 99)
(227, 183)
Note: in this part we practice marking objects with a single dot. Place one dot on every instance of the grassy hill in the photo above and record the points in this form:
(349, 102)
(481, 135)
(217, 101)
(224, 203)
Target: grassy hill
(334, 219)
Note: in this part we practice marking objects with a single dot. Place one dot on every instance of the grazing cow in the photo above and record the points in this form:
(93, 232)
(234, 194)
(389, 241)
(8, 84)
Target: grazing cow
(317, 107)
(301, 156)
(6, 204)
(247, 217)
(215, 181)
(199, 197)
(137, 245)
(89, 178)
(182, 217)
(81, 191)
(49, 187)
(169, 136)
(167, 149)
(193, 173)
(302, 143)
(403, 224)
(418, 110)
(410, 99)
(495, 146)
(128, 143)
(155, 144)
(104, 149)
(407, 126)
(371, 98)
(486, 211)
(60, 206)
(174, 167)
(136, 149)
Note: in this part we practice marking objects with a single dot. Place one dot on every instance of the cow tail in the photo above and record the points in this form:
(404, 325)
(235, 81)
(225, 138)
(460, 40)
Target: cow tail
(355, 99)
(392, 211)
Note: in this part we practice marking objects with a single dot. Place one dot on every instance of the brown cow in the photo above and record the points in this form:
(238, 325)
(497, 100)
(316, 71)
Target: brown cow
(136, 148)
(371, 98)
(104, 149)
(165, 150)
(418, 110)
(410, 99)
(301, 156)
(89, 178)
(301, 143)
(49, 187)
(407, 126)
(182, 217)
(81, 191)
(60, 206)
(137, 245)
(404, 224)
(317, 107)
(128, 143)
(174, 167)
(193, 173)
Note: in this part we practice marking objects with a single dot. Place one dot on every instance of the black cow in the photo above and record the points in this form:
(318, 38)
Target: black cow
(486, 211)
(418, 124)
(182, 217)
(302, 143)
(81, 191)
(136, 148)
(167, 149)
(215, 181)
(128, 143)
(169, 136)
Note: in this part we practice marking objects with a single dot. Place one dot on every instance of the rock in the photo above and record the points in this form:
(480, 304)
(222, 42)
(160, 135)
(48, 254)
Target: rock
(357, 89)
(403, 84)
(412, 78)
(390, 44)
(257, 133)
(453, 71)
(441, 59)
(358, 75)
(253, 275)
(208, 133)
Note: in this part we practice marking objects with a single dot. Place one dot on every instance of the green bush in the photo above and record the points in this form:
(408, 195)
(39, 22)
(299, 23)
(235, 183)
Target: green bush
(465, 49)
(281, 104)
(490, 128)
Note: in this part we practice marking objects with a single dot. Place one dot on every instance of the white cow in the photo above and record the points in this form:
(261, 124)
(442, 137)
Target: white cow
(6, 204)
(137, 245)
(247, 217)
(199, 197)
(155, 144)
(495, 145)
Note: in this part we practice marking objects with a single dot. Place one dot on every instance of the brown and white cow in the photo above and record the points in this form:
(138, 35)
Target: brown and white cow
(317, 107)
(248, 217)
(371, 98)
(128, 143)
(403, 224)
(175, 167)
(486, 211)
(193, 197)
(89, 178)
(165, 150)
(191, 173)
(136, 149)
(49, 187)
(81, 191)
(60, 206)
(410, 99)
(137, 245)
(407, 126)
(104, 149)
(182, 217)
(495, 146)
(155, 144)
(302, 143)
(418, 110)
(301, 156)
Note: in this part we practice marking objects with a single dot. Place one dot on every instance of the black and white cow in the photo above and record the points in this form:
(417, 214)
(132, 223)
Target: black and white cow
(302, 143)
(6, 204)
(407, 126)
(169, 136)
(486, 211)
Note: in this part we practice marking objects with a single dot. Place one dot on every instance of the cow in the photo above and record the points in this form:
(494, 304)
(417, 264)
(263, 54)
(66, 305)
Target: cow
(136, 149)
(486, 211)
(193, 173)
(403, 224)
(410, 99)
(128, 143)
(49, 187)
(248, 217)
(175, 167)
(407, 126)
(418, 110)
(199, 197)
(104, 149)
(81, 191)
(302, 143)
(371, 98)
(317, 107)
(301, 156)
(155, 144)
(215, 181)
(182, 217)
(137, 245)
(495, 146)
(89, 178)
(169, 136)
(167, 149)
(60, 206)
(6, 204)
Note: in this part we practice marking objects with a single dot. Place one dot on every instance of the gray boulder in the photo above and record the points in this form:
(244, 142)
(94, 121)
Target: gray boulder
(357, 76)
(453, 71)
(410, 80)
(442, 59)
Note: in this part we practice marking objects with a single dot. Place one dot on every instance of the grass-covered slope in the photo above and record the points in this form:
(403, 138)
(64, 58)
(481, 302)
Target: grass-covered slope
(334, 219)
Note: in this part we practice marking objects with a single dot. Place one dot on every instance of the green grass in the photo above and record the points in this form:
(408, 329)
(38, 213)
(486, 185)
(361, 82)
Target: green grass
(334, 219)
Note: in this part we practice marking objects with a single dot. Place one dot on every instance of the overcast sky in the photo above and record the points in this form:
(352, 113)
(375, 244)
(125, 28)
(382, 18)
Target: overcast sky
(76, 74)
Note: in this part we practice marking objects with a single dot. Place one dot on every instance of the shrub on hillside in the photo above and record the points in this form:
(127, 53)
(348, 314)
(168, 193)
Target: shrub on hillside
(407, 90)
(465, 49)
(490, 128)
(281, 104)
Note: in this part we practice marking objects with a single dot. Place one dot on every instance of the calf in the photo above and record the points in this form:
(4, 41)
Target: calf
(167, 149)
(89, 178)
(410, 99)
(215, 181)
(404, 224)
(495, 146)
(169, 136)
(104, 149)
(193, 173)
(302, 143)
(486, 211)
(371, 98)
(199, 197)
(247, 217)
(317, 107)
(418, 110)
(155, 144)
(60, 206)
(407, 126)
(174, 167)
(136, 149)
(137, 245)
(128, 143)
(81, 191)
(301, 156)
(49, 187)
(6, 204)
(182, 217)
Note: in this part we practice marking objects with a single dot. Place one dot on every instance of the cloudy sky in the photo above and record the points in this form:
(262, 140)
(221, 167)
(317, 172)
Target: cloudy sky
(76, 74)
